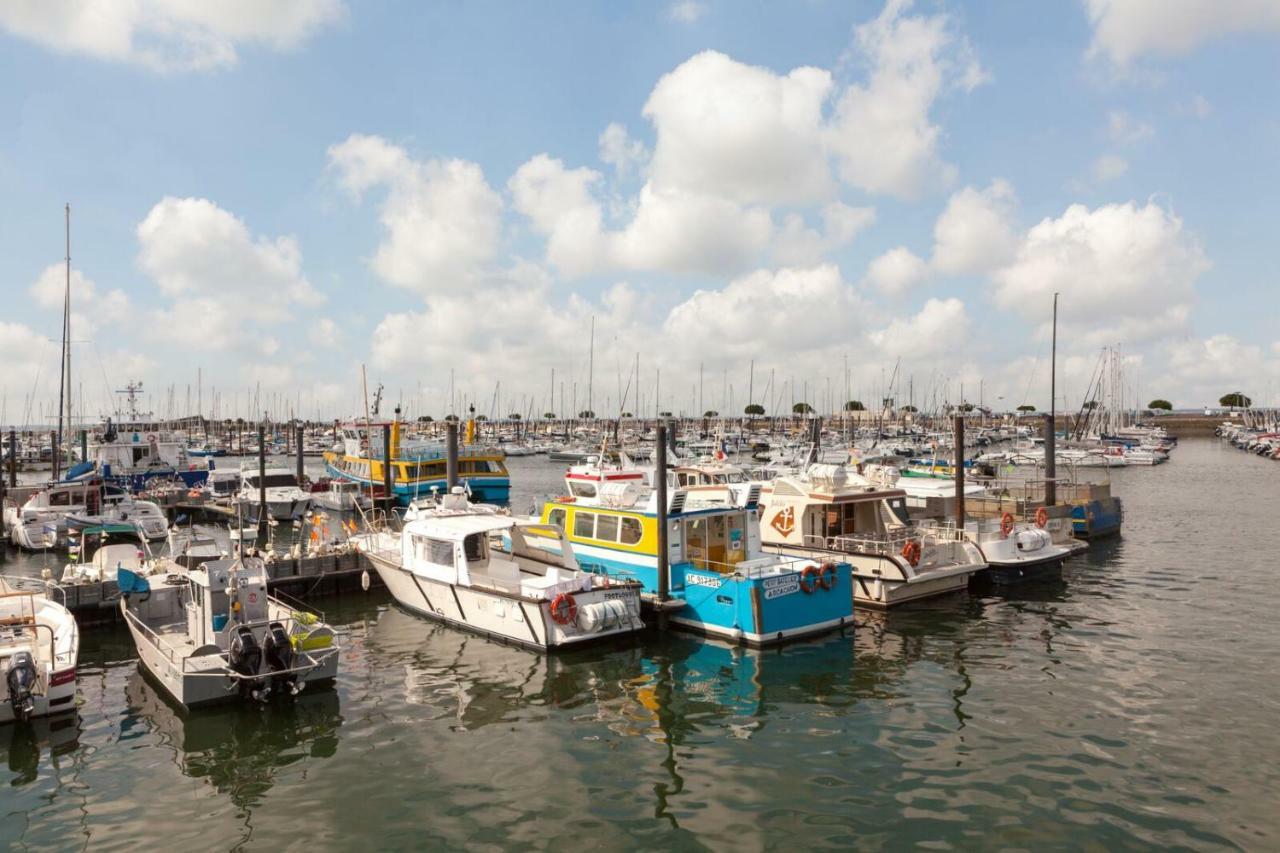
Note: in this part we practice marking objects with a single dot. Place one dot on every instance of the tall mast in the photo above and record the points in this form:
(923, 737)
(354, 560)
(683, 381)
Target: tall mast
(591, 366)
(64, 362)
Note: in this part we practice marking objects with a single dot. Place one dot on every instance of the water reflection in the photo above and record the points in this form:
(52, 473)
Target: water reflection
(24, 745)
(238, 748)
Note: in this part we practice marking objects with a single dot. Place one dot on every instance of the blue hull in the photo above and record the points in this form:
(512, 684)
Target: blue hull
(754, 611)
(1097, 518)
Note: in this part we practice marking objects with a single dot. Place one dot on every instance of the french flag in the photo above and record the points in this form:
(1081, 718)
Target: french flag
(722, 452)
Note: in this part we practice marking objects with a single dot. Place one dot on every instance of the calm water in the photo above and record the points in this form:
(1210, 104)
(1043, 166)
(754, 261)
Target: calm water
(1133, 704)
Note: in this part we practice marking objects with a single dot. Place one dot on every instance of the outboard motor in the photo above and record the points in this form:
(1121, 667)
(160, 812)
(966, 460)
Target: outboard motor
(20, 678)
(245, 656)
(280, 656)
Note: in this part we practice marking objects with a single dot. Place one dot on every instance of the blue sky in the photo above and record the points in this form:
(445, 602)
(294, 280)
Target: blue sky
(342, 184)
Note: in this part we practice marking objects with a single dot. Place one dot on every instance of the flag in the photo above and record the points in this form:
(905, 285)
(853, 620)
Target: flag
(722, 451)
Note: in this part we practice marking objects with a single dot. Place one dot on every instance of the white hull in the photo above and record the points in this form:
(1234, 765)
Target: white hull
(509, 617)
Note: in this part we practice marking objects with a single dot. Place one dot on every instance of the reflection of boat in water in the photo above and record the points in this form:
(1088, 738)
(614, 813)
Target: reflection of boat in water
(235, 747)
(27, 742)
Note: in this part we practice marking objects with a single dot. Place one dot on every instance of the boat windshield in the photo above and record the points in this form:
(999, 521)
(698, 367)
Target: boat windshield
(272, 481)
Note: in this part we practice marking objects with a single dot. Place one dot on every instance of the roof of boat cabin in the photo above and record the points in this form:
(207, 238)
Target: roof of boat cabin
(457, 527)
(795, 487)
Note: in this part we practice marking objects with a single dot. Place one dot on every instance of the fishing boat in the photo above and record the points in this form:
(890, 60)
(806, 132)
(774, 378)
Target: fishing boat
(213, 634)
(137, 451)
(39, 646)
(721, 581)
(223, 485)
(285, 499)
(833, 512)
(471, 566)
(340, 496)
(417, 466)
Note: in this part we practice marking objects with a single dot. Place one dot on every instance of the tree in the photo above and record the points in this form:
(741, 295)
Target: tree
(664, 414)
(627, 415)
(586, 414)
(966, 407)
(1235, 400)
(482, 418)
(910, 409)
(551, 416)
(424, 419)
(711, 413)
(854, 406)
(753, 409)
(513, 417)
(1160, 404)
(451, 418)
(1026, 408)
(802, 409)
(1091, 405)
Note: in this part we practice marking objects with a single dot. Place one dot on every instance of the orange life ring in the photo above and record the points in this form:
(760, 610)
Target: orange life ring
(827, 575)
(810, 578)
(564, 610)
(1042, 517)
(911, 552)
(1006, 525)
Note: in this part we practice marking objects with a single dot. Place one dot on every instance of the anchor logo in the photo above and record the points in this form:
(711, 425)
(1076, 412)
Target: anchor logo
(785, 521)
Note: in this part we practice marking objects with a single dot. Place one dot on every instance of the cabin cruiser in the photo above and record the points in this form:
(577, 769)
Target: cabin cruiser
(720, 580)
(286, 501)
(41, 523)
(831, 511)
(212, 633)
(223, 485)
(474, 567)
(39, 646)
(341, 496)
(145, 516)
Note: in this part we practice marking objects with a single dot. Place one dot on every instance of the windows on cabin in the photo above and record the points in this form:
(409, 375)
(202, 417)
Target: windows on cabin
(631, 531)
(556, 518)
(436, 551)
(601, 527)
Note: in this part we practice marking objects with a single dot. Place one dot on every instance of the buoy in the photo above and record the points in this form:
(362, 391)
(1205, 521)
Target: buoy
(364, 580)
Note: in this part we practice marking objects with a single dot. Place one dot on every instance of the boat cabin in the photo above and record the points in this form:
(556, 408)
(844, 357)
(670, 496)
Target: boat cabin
(831, 508)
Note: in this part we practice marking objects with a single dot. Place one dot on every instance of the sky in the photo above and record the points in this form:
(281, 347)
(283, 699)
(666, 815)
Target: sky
(635, 206)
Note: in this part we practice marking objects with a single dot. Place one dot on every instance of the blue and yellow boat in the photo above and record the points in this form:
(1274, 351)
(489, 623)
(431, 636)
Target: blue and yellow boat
(722, 583)
(417, 466)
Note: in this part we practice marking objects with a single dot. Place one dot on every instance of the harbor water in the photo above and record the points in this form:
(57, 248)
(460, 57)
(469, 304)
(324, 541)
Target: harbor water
(1131, 705)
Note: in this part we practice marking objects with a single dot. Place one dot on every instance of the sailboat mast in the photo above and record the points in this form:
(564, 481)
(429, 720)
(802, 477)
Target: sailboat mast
(64, 362)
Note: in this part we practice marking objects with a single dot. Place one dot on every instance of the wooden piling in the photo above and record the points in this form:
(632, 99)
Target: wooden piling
(451, 456)
(959, 474)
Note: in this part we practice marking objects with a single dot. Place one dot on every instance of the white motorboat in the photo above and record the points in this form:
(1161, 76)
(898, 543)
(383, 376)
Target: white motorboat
(342, 496)
(832, 511)
(145, 516)
(223, 484)
(39, 646)
(41, 523)
(286, 501)
(518, 581)
(213, 633)
(1020, 550)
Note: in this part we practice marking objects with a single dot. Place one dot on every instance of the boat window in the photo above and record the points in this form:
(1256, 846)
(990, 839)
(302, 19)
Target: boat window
(631, 531)
(581, 489)
(682, 479)
(898, 508)
(59, 499)
(435, 551)
(474, 546)
(584, 524)
(556, 517)
(607, 528)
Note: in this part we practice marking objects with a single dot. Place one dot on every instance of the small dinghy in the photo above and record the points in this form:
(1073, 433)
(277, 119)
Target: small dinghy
(213, 633)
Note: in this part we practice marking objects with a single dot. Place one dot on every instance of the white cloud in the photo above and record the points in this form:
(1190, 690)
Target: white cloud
(1108, 167)
(167, 35)
(221, 279)
(325, 333)
(620, 151)
(90, 309)
(940, 328)
(1123, 271)
(686, 11)
(797, 245)
(976, 231)
(1201, 370)
(1124, 30)
(739, 131)
(1124, 129)
(881, 133)
(443, 220)
(897, 271)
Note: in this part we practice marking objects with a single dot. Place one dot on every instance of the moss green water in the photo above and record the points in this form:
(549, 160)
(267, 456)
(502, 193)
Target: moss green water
(1131, 705)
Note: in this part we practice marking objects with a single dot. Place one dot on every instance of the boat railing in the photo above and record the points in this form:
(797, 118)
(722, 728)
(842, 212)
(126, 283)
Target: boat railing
(889, 543)
(159, 642)
(295, 606)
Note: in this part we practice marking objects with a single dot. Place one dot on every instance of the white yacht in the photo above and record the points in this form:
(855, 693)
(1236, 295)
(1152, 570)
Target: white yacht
(342, 496)
(1019, 550)
(471, 566)
(41, 523)
(223, 484)
(213, 633)
(832, 511)
(286, 501)
(39, 646)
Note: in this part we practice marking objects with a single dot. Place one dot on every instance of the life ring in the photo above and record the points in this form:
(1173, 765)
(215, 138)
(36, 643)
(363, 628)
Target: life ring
(564, 610)
(911, 552)
(152, 438)
(1042, 517)
(1006, 525)
(827, 575)
(810, 578)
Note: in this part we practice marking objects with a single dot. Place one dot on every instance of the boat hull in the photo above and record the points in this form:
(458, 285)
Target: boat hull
(1097, 518)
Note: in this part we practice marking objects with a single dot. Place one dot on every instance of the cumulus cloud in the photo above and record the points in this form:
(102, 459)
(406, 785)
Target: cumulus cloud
(219, 276)
(941, 327)
(168, 35)
(620, 151)
(976, 232)
(90, 307)
(1205, 369)
(442, 219)
(882, 133)
(1124, 271)
(796, 244)
(897, 271)
(1125, 30)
